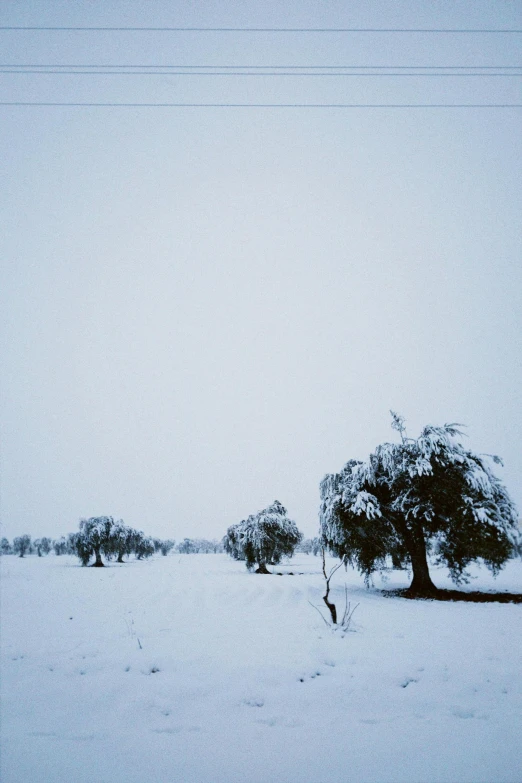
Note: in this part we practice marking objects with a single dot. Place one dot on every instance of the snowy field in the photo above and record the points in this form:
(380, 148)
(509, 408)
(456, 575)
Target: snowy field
(189, 669)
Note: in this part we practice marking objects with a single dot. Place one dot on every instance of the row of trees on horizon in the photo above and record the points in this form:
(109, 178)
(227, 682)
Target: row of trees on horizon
(67, 545)
(116, 541)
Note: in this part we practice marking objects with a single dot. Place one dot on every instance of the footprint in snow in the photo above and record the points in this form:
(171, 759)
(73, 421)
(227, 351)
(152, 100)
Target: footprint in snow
(289, 723)
(254, 702)
(176, 729)
(169, 730)
(406, 682)
(312, 676)
(461, 713)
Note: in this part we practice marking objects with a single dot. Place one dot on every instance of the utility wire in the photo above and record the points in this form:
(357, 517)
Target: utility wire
(263, 29)
(267, 67)
(275, 105)
(259, 74)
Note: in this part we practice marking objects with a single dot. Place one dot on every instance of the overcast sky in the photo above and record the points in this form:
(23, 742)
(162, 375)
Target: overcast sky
(205, 309)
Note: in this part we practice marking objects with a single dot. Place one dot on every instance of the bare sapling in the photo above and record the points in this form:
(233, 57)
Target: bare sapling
(347, 613)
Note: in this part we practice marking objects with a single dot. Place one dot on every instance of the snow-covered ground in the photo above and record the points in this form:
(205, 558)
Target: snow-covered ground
(189, 669)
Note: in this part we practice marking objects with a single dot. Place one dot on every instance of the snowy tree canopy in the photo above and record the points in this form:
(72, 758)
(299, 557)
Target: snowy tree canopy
(22, 545)
(263, 538)
(420, 496)
(95, 534)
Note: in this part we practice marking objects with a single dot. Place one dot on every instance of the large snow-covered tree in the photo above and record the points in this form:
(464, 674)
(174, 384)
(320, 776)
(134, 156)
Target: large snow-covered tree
(232, 542)
(425, 495)
(121, 541)
(96, 534)
(22, 545)
(79, 545)
(263, 538)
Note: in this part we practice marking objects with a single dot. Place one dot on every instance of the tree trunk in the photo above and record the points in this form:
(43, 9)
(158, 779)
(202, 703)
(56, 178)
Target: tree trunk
(120, 557)
(421, 583)
(331, 607)
(262, 569)
(98, 563)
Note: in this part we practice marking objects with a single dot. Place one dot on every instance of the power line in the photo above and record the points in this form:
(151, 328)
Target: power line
(274, 105)
(259, 74)
(438, 30)
(274, 67)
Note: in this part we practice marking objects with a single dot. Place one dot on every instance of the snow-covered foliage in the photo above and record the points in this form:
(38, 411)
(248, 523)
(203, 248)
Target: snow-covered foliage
(80, 546)
(42, 546)
(265, 537)
(194, 546)
(95, 534)
(143, 546)
(61, 546)
(232, 542)
(163, 546)
(310, 546)
(22, 545)
(423, 494)
(121, 541)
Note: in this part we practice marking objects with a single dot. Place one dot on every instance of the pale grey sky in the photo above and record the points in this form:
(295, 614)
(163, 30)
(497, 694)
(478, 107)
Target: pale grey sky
(207, 309)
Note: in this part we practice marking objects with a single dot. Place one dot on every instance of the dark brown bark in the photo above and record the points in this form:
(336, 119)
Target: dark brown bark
(421, 583)
(262, 569)
(120, 557)
(98, 563)
(331, 607)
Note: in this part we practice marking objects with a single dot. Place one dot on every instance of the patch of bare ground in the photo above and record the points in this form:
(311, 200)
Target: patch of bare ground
(475, 596)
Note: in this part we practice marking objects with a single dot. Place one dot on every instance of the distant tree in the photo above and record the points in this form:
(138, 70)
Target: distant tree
(166, 546)
(121, 541)
(22, 545)
(204, 545)
(187, 547)
(217, 546)
(265, 537)
(163, 546)
(96, 532)
(143, 546)
(42, 546)
(60, 546)
(79, 545)
(420, 496)
(305, 546)
(5, 547)
(310, 546)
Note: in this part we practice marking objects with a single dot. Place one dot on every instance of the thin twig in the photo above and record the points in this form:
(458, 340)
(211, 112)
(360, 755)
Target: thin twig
(321, 614)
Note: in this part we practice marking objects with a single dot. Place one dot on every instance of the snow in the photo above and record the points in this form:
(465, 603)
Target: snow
(189, 668)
